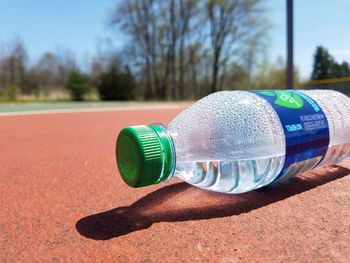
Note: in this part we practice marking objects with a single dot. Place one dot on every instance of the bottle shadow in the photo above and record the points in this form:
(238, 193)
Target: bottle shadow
(182, 202)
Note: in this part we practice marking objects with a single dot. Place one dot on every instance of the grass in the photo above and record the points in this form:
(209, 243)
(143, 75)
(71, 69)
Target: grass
(56, 95)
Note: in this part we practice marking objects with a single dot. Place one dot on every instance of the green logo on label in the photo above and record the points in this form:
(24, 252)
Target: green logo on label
(286, 99)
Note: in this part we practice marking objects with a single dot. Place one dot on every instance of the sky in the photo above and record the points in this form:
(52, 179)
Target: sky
(81, 26)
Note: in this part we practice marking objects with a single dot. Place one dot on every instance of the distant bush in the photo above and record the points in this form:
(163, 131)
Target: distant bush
(11, 92)
(116, 85)
(78, 85)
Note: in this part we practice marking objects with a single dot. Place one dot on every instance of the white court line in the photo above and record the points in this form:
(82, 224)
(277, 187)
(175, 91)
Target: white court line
(57, 111)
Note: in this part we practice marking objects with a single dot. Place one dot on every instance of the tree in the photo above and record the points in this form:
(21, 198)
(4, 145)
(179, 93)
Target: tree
(140, 20)
(233, 25)
(78, 85)
(116, 85)
(345, 69)
(325, 67)
(11, 92)
(67, 64)
(13, 64)
(47, 72)
(188, 24)
(273, 75)
(172, 43)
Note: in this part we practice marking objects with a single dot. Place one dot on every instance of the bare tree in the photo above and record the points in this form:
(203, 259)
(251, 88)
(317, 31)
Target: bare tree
(47, 72)
(138, 19)
(67, 64)
(188, 24)
(172, 43)
(232, 25)
(13, 63)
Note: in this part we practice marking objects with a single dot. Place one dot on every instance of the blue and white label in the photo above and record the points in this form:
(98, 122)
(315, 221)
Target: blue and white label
(305, 127)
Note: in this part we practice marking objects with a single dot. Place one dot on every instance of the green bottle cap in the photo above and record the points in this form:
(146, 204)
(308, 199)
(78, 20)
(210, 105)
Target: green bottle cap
(145, 155)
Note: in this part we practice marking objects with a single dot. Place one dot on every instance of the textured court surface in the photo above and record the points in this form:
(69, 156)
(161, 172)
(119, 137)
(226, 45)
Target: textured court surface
(62, 200)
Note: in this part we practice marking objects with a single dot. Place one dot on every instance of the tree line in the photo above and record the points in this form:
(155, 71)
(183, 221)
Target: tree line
(51, 71)
(57, 72)
(174, 50)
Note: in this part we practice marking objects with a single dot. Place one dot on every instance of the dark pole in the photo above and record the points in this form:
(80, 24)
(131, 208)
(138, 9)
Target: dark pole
(290, 81)
(173, 50)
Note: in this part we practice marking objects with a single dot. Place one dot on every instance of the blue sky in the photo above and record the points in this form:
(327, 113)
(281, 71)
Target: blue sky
(80, 25)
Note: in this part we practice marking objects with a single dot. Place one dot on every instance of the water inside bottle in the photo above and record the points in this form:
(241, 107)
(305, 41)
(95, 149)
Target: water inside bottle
(230, 176)
(239, 176)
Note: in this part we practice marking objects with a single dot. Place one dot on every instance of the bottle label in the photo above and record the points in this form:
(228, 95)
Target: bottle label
(305, 127)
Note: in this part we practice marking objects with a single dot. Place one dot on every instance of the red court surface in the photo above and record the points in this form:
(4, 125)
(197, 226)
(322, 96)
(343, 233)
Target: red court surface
(63, 200)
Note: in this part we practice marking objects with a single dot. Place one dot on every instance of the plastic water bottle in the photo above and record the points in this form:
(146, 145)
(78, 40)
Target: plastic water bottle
(237, 141)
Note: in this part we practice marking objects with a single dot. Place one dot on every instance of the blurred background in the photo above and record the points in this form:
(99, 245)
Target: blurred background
(167, 50)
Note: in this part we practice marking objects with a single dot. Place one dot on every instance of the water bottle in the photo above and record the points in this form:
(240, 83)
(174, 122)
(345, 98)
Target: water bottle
(238, 141)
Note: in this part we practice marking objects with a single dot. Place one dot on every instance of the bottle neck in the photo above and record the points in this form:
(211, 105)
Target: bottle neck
(164, 134)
